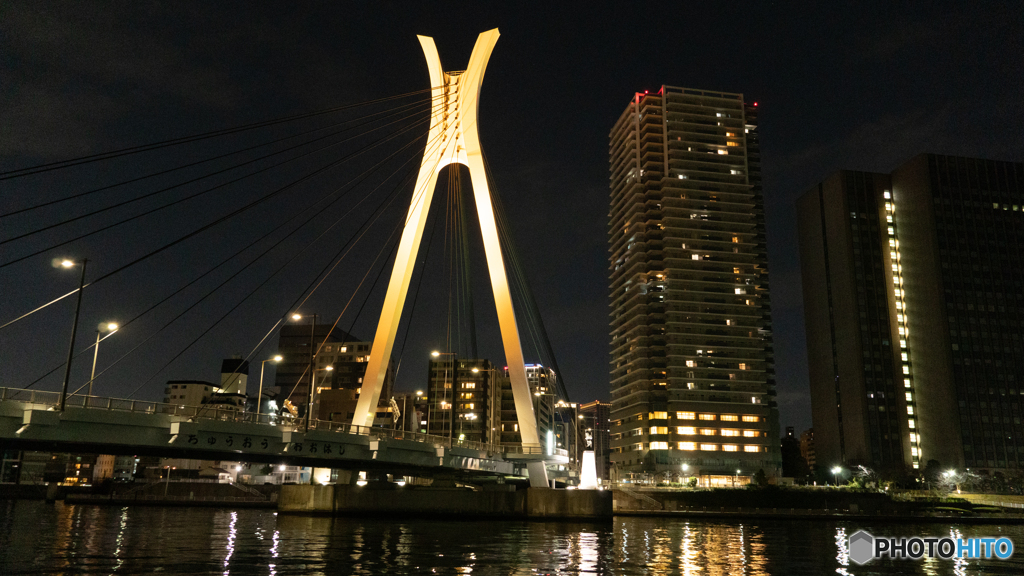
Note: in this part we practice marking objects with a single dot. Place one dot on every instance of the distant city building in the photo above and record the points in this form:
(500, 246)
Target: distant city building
(596, 434)
(543, 385)
(189, 392)
(234, 376)
(913, 289)
(692, 365)
(807, 448)
(339, 364)
(459, 392)
(793, 463)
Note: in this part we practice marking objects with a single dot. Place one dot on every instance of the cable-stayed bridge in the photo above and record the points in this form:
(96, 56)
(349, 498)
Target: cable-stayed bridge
(279, 194)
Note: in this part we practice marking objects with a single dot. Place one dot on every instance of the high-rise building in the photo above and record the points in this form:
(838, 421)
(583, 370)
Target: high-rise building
(914, 303)
(692, 376)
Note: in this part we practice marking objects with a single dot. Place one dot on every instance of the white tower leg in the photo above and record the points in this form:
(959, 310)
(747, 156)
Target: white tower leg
(452, 138)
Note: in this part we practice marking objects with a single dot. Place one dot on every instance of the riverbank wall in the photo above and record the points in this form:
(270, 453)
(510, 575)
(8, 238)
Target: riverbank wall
(530, 503)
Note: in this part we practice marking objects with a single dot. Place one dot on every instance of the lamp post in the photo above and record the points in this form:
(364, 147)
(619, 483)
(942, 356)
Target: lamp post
(455, 378)
(109, 328)
(259, 395)
(835, 475)
(74, 328)
(312, 332)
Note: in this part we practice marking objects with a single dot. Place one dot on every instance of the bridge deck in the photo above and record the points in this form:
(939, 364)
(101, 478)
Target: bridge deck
(29, 420)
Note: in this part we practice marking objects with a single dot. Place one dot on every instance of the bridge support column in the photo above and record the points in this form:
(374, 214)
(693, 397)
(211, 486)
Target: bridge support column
(452, 139)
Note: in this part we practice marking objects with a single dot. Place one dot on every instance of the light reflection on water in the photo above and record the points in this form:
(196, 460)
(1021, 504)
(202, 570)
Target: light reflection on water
(36, 538)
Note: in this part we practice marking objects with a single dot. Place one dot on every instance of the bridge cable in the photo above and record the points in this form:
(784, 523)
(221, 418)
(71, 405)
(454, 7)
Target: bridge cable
(526, 293)
(346, 248)
(27, 171)
(205, 227)
(190, 197)
(225, 261)
(196, 163)
(351, 185)
(348, 244)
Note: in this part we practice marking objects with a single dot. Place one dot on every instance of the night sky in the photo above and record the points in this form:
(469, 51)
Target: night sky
(856, 86)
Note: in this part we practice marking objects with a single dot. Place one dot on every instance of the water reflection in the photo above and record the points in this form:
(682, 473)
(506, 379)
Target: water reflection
(36, 538)
(843, 555)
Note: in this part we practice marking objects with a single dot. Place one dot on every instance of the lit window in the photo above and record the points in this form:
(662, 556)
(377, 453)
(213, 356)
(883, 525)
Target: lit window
(720, 151)
(729, 418)
(910, 410)
(690, 364)
(658, 415)
(749, 418)
(469, 406)
(730, 134)
(707, 416)
(686, 430)
(743, 366)
(741, 291)
(886, 195)
(686, 415)
(728, 432)
(687, 446)
(913, 450)
(750, 448)
(910, 397)
(729, 448)
(708, 431)
(730, 143)
(709, 447)
(659, 445)
(911, 424)
(751, 434)
(906, 369)
(905, 357)
(343, 349)
(682, 177)
(892, 232)
(906, 382)
(659, 429)
(695, 257)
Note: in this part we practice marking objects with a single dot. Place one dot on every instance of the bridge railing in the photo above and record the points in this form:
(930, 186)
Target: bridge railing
(235, 414)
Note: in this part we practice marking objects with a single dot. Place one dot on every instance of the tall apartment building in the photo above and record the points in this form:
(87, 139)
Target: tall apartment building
(692, 373)
(914, 303)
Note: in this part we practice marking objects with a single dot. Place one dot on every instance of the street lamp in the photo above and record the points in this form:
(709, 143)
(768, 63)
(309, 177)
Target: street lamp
(109, 328)
(312, 332)
(259, 396)
(835, 474)
(74, 328)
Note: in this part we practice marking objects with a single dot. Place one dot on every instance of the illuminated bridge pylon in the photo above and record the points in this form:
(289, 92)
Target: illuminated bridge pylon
(452, 139)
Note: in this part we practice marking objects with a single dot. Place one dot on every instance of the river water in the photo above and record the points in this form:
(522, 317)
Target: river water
(40, 538)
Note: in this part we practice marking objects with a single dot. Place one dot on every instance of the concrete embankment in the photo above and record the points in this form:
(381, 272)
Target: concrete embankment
(531, 503)
(797, 504)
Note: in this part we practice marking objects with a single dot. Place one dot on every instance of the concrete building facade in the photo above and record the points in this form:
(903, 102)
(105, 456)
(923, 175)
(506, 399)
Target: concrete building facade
(914, 306)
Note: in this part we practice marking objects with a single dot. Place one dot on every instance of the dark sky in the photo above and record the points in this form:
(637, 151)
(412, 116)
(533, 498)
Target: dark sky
(860, 86)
